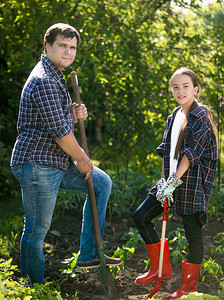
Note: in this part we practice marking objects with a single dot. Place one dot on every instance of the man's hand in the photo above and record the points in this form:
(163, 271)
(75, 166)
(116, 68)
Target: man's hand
(69, 144)
(85, 167)
(79, 112)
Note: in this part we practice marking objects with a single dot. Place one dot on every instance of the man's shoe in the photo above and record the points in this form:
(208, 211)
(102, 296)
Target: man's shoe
(112, 262)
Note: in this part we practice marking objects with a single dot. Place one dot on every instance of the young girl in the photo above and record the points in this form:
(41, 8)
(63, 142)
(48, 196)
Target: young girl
(189, 153)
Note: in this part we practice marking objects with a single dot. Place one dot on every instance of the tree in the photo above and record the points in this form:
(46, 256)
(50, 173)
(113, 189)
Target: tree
(128, 52)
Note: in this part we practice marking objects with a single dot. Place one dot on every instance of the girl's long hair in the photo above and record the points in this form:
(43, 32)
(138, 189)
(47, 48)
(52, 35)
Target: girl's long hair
(195, 104)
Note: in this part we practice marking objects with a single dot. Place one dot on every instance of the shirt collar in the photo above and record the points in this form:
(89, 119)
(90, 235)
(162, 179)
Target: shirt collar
(198, 110)
(52, 69)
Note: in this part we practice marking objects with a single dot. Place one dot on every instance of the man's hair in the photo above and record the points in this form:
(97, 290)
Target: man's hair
(65, 30)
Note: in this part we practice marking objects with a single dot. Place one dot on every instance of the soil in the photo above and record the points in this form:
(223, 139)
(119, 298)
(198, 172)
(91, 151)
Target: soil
(58, 248)
(87, 284)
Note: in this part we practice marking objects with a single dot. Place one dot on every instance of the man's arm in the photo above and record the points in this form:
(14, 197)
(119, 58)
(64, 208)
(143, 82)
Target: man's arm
(69, 144)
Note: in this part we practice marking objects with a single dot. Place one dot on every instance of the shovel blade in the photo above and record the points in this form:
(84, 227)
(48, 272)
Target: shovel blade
(156, 288)
(106, 277)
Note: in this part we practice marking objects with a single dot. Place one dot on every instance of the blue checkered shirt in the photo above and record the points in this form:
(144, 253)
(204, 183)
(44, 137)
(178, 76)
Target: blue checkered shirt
(199, 145)
(44, 116)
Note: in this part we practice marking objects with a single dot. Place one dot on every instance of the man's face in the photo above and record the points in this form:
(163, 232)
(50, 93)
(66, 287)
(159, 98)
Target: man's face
(63, 51)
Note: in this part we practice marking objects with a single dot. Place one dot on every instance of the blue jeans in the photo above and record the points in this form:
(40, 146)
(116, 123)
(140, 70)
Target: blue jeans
(39, 186)
(151, 208)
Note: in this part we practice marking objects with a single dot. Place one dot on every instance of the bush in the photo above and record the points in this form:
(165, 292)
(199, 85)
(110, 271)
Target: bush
(10, 289)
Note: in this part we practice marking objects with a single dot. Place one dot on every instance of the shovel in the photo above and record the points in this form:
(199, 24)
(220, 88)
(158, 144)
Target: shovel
(105, 275)
(159, 281)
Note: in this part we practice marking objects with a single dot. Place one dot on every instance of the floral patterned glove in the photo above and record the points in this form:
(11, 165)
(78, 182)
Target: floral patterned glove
(160, 184)
(167, 192)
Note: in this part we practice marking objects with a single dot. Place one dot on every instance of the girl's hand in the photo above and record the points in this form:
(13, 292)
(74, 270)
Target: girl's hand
(160, 184)
(167, 192)
(79, 112)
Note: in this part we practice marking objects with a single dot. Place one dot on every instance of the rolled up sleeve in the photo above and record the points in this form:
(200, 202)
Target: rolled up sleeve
(48, 100)
(160, 149)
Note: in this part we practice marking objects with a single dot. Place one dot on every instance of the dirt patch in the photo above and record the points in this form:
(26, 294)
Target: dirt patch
(88, 285)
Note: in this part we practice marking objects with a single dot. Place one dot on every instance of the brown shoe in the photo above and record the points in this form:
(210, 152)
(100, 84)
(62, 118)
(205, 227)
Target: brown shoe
(112, 262)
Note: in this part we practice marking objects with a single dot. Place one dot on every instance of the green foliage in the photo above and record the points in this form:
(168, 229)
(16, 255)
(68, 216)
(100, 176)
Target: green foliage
(11, 224)
(216, 204)
(178, 245)
(7, 179)
(211, 268)
(221, 291)
(124, 64)
(67, 200)
(127, 251)
(10, 289)
(200, 296)
(71, 271)
(4, 247)
(219, 240)
(127, 191)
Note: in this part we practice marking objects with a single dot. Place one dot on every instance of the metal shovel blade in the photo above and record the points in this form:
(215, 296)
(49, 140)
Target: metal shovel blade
(156, 288)
(105, 276)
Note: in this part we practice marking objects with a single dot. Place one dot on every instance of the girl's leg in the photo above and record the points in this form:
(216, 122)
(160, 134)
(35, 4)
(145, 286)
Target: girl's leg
(143, 216)
(191, 267)
(194, 235)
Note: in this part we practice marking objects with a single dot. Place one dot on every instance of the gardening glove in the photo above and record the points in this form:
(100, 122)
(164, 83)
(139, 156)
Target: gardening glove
(167, 192)
(160, 184)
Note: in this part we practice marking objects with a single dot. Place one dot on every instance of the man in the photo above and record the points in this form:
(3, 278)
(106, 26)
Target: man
(47, 156)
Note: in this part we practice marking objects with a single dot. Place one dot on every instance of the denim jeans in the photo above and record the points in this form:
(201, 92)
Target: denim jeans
(151, 208)
(39, 186)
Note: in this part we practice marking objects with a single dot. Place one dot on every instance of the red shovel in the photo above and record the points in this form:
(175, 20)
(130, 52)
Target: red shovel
(159, 281)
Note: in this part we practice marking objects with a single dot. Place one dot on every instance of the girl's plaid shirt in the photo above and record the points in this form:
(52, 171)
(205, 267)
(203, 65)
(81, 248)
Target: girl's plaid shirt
(199, 145)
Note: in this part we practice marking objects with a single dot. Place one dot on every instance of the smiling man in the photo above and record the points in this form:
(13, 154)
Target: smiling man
(46, 156)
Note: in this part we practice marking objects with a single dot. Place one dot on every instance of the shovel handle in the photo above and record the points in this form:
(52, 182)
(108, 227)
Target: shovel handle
(162, 240)
(84, 146)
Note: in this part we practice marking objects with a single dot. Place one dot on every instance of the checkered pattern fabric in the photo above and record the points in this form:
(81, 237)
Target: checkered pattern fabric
(199, 145)
(44, 116)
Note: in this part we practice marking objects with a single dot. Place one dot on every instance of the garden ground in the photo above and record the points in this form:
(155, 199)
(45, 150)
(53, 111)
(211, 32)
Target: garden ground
(58, 248)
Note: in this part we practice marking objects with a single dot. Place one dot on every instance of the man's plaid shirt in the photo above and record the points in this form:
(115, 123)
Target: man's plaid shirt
(44, 116)
(199, 145)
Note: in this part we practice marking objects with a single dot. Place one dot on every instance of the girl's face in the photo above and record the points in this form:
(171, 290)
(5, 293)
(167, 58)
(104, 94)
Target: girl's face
(183, 91)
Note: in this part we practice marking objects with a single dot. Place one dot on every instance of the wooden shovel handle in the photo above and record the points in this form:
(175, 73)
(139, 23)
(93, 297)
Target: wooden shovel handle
(84, 146)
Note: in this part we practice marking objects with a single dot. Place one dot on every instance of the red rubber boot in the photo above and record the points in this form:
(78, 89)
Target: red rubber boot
(190, 275)
(152, 275)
